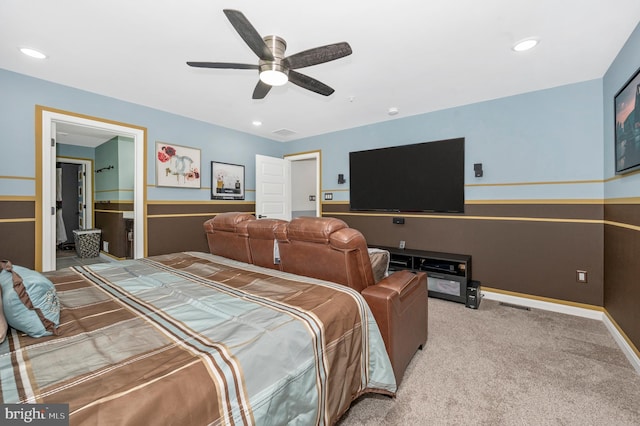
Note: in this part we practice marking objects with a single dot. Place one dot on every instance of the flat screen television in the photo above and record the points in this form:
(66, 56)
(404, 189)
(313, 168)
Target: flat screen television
(627, 126)
(422, 177)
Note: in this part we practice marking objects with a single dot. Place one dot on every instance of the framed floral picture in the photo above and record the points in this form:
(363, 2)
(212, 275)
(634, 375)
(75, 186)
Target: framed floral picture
(177, 166)
(227, 181)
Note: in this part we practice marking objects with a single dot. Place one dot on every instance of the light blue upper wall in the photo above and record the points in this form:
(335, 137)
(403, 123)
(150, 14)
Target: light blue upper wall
(106, 181)
(115, 184)
(20, 94)
(552, 135)
(623, 67)
(126, 173)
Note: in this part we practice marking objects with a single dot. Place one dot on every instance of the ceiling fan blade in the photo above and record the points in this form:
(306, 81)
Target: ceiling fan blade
(224, 65)
(261, 90)
(309, 83)
(249, 34)
(318, 55)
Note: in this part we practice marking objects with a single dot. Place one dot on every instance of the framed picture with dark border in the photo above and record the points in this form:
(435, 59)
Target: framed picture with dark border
(627, 125)
(177, 166)
(227, 181)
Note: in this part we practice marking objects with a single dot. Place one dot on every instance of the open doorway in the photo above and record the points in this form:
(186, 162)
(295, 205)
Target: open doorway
(304, 187)
(276, 196)
(46, 154)
(74, 206)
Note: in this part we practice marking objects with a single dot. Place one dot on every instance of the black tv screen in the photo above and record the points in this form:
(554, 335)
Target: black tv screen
(423, 177)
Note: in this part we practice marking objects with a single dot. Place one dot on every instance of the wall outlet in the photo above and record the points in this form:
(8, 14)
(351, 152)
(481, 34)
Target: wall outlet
(312, 197)
(581, 276)
(402, 244)
(328, 195)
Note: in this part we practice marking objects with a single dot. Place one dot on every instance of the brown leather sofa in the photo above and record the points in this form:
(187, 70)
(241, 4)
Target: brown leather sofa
(228, 237)
(326, 248)
(262, 242)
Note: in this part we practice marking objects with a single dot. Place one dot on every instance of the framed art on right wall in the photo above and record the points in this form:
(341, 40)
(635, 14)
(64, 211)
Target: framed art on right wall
(627, 125)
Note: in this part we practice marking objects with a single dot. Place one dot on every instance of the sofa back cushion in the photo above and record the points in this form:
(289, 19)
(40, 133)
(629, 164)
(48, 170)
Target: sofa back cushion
(325, 248)
(227, 235)
(262, 242)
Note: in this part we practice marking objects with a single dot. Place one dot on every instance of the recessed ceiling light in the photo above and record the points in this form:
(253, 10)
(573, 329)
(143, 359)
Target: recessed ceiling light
(33, 53)
(526, 44)
(257, 123)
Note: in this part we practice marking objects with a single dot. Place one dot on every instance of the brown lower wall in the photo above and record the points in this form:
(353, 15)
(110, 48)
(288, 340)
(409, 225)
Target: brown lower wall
(179, 227)
(526, 248)
(18, 232)
(622, 268)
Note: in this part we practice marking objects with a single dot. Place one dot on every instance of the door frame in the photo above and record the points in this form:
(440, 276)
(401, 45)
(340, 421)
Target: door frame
(45, 256)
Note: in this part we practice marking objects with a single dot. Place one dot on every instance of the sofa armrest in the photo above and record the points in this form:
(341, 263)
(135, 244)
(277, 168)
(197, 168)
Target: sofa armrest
(399, 305)
(403, 283)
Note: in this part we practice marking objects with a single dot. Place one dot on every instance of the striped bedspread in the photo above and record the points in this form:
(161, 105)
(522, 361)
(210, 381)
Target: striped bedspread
(197, 339)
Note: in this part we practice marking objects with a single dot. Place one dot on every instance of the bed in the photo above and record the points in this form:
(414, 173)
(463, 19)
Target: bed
(194, 338)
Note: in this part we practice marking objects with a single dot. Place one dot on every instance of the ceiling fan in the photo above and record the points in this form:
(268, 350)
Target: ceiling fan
(276, 69)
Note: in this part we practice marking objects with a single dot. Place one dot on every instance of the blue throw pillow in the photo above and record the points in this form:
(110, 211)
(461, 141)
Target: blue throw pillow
(4, 327)
(29, 300)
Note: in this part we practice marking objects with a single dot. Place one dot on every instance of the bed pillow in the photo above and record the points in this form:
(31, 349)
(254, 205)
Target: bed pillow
(3, 322)
(379, 263)
(29, 300)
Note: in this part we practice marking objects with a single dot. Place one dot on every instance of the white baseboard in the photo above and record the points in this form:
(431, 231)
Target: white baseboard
(571, 310)
(622, 342)
(541, 304)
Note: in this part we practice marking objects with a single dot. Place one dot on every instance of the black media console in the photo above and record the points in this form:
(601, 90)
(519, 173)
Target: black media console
(447, 274)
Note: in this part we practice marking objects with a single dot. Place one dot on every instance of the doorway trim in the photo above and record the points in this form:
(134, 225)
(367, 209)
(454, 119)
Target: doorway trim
(317, 155)
(45, 255)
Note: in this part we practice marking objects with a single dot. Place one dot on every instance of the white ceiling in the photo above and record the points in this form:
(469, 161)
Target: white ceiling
(417, 56)
(74, 134)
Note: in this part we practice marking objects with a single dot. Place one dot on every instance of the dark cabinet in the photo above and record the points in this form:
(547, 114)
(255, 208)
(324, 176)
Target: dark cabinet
(448, 274)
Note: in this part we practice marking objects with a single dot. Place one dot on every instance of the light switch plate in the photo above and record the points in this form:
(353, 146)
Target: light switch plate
(581, 276)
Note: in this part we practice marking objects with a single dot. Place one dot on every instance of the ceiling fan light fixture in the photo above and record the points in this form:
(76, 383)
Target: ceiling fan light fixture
(273, 74)
(274, 78)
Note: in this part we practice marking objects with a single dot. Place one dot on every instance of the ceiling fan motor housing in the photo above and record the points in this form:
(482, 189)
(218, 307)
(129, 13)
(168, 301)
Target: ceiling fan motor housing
(277, 46)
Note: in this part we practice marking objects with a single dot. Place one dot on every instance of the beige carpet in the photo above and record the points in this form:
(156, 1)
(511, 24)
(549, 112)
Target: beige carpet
(500, 365)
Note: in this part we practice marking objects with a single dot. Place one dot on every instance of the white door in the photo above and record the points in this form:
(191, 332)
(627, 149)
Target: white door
(273, 188)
